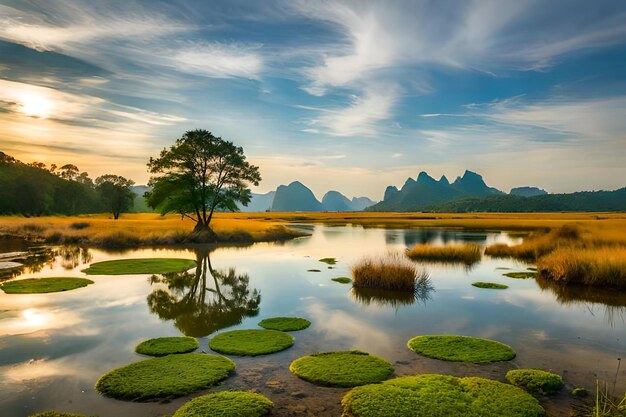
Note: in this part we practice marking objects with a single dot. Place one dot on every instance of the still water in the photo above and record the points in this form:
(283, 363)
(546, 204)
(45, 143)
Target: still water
(53, 347)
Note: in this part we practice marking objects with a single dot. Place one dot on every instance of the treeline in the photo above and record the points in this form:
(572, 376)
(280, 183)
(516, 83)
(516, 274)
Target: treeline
(590, 201)
(36, 190)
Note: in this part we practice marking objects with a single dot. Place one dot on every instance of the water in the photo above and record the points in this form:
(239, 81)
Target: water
(54, 347)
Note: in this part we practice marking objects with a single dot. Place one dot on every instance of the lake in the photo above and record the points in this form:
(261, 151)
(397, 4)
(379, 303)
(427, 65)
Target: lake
(54, 347)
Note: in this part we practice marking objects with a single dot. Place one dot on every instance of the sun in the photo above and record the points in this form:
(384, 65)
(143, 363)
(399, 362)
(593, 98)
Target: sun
(35, 105)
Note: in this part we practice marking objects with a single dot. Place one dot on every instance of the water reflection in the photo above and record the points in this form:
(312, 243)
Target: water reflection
(205, 301)
(388, 298)
(612, 303)
(34, 260)
(72, 256)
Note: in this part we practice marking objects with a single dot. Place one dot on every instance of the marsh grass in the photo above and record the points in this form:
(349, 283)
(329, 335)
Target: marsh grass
(467, 253)
(605, 404)
(604, 266)
(390, 272)
(55, 414)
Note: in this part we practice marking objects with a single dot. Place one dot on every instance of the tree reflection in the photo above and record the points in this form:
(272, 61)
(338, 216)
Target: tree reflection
(72, 256)
(205, 301)
(389, 298)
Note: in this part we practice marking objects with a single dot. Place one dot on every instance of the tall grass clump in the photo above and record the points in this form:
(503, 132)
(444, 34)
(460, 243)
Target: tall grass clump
(605, 404)
(538, 244)
(603, 266)
(390, 272)
(467, 253)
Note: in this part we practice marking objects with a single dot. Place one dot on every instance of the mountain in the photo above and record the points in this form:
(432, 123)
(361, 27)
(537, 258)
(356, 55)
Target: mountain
(361, 203)
(335, 201)
(590, 201)
(527, 191)
(295, 197)
(472, 184)
(258, 202)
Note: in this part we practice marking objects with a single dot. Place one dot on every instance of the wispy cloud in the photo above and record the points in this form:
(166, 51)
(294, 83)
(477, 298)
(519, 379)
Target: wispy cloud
(218, 60)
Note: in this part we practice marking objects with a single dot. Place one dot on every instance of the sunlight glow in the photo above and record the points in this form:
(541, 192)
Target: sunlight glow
(35, 105)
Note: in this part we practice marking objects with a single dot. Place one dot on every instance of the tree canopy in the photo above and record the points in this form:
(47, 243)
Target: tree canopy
(199, 174)
(115, 193)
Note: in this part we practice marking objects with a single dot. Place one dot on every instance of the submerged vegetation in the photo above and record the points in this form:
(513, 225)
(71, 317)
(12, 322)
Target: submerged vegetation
(165, 377)
(490, 285)
(341, 369)
(329, 261)
(467, 253)
(285, 324)
(251, 342)
(435, 395)
(390, 272)
(342, 280)
(140, 266)
(461, 348)
(162, 346)
(226, 404)
(535, 381)
(44, 285)
(520, 275)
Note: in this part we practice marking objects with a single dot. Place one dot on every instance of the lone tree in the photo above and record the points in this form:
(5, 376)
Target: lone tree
(115, 192)
(199, 174)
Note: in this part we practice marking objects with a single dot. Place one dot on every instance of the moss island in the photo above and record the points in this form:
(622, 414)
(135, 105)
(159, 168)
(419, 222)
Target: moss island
(432, 395)
(490, 285)
(251, 342)
(341, 369)
(285, 324)
(165, 377)
(461, 348)
(227, 404)
(162, 346)
(536, 381)
(140, 266)
(44, 285)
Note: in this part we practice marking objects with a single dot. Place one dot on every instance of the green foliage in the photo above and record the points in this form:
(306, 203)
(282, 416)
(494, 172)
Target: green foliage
(329, 261)
(199, 174)
(115, 192)
(226, 404)
(535, 381)
(43, 285)
(431, 395)
(140, 266)
(580, 392)
(342, 280)
(490, 285)
(165, 377)
(251, 342)
(341, 369)
(461, 348)
(55, 414)
(520, 275)
(285, 324)
(162, 346)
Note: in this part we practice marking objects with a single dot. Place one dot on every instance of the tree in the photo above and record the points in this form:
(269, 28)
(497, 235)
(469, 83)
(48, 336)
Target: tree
(199, 174)
(68, 172)
(115, 193)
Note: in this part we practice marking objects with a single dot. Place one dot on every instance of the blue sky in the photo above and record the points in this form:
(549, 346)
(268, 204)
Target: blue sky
(345, 95)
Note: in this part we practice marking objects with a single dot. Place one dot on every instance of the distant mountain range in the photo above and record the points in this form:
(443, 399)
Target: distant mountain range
(298, 197)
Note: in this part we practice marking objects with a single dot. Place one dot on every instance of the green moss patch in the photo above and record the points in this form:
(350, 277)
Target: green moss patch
(342, 280)
(536, 381)
(313, 270)
(455, 348)
(227, 404)
(521, 275)
(490, 285)
(44, 285)
(165, 377)
(251, 342)
(329, 261)
(55, 414)
(140, 266)
(341, 369)
(162, 346)
(285, 324)
(440, 396)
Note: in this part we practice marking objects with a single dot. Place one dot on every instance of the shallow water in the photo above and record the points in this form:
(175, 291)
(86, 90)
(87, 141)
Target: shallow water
(53, 347)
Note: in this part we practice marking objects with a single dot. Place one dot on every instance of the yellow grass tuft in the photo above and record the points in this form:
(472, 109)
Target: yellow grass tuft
(391, 272)
(467, 253)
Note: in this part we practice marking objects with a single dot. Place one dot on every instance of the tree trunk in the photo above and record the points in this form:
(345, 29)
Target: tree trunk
(202, 233)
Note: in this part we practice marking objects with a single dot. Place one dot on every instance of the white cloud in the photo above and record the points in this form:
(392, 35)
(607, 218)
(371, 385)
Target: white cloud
(218, 60)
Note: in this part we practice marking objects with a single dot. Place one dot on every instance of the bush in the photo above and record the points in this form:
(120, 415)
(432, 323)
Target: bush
(79, 225)
(392, 272)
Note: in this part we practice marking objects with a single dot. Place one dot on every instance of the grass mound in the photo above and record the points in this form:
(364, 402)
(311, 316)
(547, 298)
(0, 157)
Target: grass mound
(140, 266)
(604, 266)
(490, 285)
(392, 272)
(251, 342)
(329, 261)
(165, 377)
(341, 369)
(162, 346)
(44, 285)
(467, 253)
(226, 404)
(55, 414)
(520, 275)
(431, 395)
(455, 348)
(285, 324)
(342, 280)
(536, 381)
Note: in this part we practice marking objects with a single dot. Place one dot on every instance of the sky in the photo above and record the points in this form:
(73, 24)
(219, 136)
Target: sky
(340, 95)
